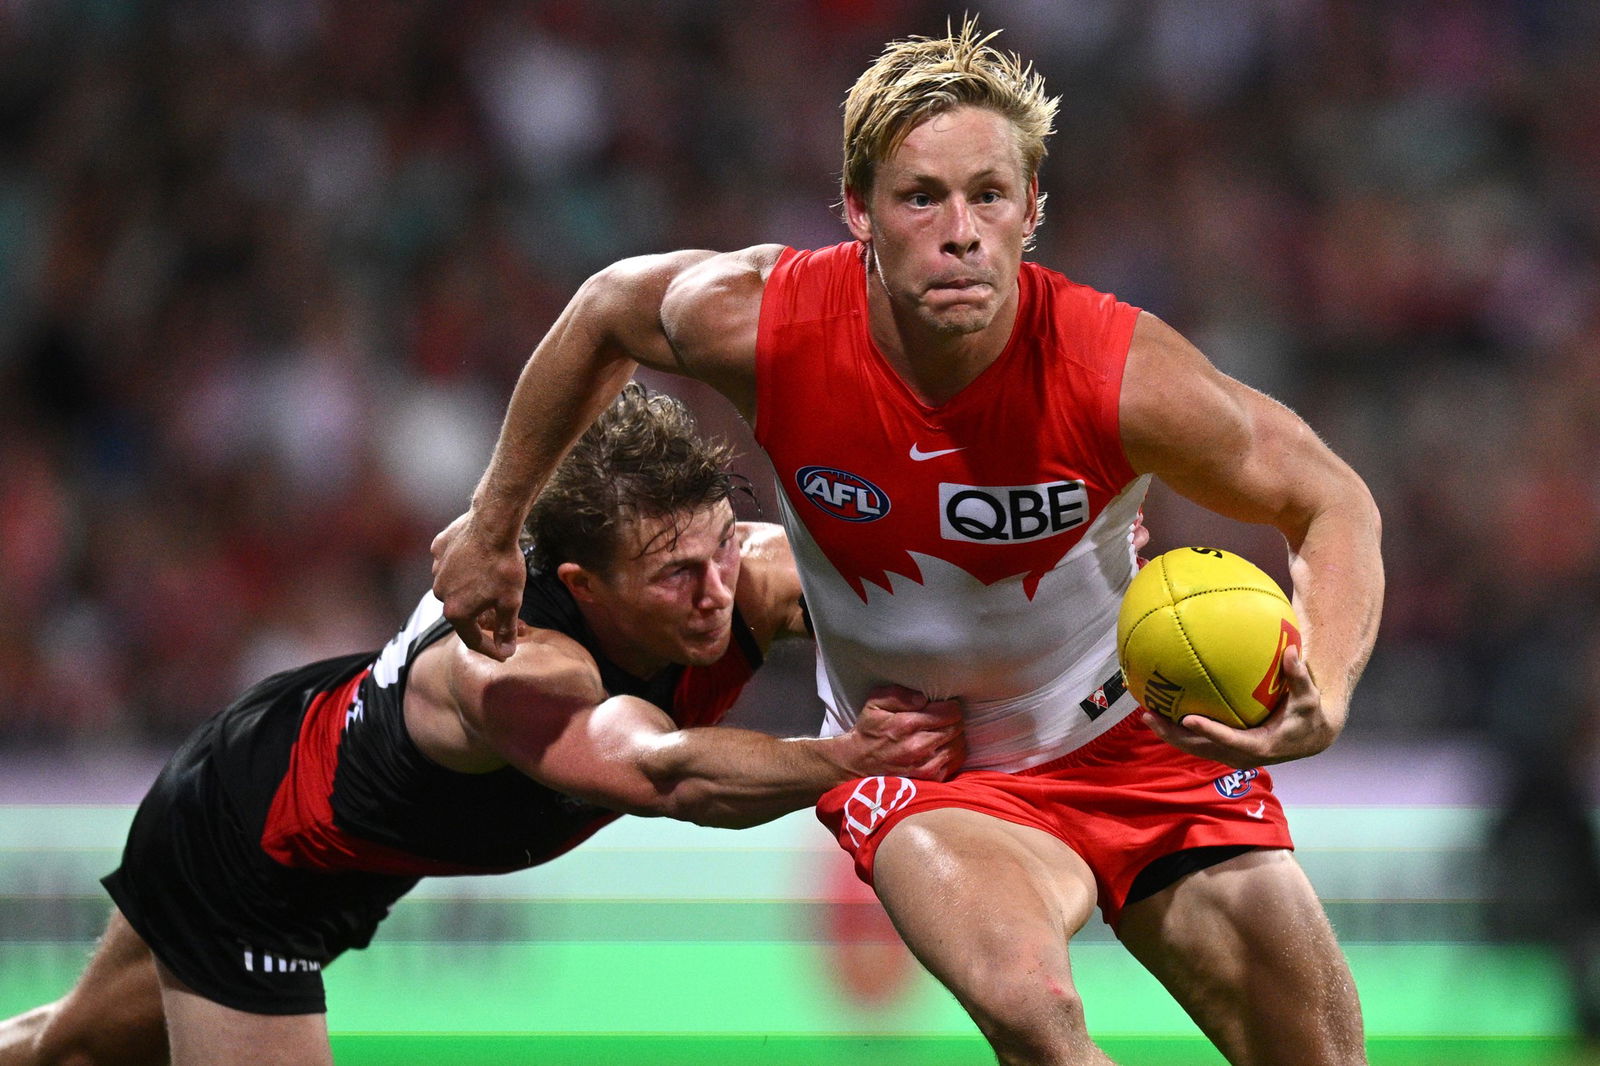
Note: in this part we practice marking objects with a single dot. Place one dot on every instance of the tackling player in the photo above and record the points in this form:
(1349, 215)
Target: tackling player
(282, 831)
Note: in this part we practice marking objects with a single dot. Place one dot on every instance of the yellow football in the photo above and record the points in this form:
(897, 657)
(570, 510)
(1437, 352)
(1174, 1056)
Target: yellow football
(1203, 631)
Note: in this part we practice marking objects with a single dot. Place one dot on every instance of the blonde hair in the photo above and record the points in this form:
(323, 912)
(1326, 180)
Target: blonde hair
(919, 77)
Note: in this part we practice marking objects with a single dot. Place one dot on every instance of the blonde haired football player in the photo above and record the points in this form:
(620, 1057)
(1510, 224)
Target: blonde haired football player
(962, 440)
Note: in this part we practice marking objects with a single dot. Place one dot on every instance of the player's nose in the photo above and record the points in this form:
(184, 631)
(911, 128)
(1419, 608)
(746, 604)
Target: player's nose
(715, 591)
(961, 229)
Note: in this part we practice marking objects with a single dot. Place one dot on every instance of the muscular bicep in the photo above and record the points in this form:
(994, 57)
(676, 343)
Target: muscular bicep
(1216, 441)
(544, 712)
(710, 315)
(622, 306)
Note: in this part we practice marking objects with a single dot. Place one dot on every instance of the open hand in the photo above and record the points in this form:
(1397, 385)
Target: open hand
(480, 584)
(1302, 725)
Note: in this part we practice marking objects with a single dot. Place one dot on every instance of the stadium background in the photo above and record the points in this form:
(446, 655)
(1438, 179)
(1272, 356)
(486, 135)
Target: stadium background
(268, 269)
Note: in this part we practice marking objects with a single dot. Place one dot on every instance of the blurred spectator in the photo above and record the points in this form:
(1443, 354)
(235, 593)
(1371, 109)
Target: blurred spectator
(268, 270)
(1543, 851)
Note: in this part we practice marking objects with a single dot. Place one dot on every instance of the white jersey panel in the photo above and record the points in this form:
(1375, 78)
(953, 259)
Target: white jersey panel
(1020, 665)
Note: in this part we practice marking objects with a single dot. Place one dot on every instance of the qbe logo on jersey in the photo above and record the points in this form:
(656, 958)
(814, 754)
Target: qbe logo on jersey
(842, 494)
(1011, 514)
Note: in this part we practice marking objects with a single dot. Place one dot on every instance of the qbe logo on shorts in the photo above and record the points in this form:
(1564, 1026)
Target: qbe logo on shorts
(873, 800)
(1010, 514)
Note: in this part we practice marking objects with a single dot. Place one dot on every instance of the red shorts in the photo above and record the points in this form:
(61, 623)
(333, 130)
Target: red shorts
(1121, 801)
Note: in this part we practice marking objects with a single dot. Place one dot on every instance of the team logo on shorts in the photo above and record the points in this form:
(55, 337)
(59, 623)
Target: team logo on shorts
(842, 494)
(874, 799)
(1236, 784)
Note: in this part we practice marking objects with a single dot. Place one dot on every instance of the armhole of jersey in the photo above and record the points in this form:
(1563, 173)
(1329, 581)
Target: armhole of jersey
(774, 302)
(1119, 342)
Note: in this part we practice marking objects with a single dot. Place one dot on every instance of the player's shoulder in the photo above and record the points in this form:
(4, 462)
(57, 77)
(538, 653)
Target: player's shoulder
(711, 313)
(763, 545)
(768, 592)
(546, 664)
(725, 273)
(1047, 285)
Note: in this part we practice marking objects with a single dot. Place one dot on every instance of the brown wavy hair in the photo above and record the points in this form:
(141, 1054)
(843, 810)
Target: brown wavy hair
(641, 458)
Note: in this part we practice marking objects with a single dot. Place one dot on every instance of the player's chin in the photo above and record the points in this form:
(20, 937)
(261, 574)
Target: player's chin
(960, 319)
(703, 649)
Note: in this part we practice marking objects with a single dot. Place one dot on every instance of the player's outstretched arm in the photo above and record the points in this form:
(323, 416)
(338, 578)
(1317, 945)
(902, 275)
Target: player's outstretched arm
(729, 777)
(1244, 455)
(544, 712)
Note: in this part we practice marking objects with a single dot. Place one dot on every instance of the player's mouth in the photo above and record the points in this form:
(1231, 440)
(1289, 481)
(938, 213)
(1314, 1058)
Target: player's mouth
(709, 632)
(960, 288)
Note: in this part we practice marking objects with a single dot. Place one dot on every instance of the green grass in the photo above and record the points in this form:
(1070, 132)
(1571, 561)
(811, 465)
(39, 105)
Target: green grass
(665, 944)
(356, 1049)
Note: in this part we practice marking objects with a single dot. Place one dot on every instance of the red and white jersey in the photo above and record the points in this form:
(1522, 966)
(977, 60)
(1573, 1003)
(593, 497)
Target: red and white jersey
(978, 549)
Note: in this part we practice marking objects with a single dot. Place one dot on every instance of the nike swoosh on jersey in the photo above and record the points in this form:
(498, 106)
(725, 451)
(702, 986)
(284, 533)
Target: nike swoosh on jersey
(918, 455)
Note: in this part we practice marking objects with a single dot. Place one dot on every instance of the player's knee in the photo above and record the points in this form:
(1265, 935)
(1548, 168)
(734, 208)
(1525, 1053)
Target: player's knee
(1029, 1018)
(56, 1039)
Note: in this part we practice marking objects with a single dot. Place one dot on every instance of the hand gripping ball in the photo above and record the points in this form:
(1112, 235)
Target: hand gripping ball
(1203, 631)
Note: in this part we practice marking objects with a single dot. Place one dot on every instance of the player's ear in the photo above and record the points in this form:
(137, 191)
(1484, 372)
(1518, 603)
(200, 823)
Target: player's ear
(1032, 222)
(855, 215)
(579, 582)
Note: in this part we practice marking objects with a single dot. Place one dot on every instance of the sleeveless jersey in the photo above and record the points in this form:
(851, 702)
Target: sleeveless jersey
(319, 762)
(978, 549)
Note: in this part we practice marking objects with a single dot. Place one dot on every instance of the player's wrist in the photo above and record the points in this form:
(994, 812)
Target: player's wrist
(494, 521)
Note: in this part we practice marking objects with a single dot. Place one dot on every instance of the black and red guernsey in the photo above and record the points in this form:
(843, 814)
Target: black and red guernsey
(332, 780)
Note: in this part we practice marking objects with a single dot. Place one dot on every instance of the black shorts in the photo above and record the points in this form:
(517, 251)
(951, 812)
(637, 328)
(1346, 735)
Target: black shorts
(236, 926)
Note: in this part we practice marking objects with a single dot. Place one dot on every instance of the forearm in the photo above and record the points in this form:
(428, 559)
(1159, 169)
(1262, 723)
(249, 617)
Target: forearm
(1336, 565)
(733, 778)
(610, 326)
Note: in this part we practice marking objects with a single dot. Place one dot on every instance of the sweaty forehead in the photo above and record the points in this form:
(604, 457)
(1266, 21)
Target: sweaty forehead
(656, 539)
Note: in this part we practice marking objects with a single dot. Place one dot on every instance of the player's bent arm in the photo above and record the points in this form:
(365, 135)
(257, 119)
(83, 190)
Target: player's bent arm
(711, 313)
(544, 712)
(616, 321)
(611, 325)
(1242, 454)
(688, 312)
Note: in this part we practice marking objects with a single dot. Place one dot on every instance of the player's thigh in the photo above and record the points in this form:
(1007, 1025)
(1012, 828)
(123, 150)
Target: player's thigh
(205, 1033)
(111, 1015)
(1246, 948)
(982, 902)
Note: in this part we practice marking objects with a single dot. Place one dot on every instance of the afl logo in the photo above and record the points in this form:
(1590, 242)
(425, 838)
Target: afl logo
(1236, 784)
(842, 494)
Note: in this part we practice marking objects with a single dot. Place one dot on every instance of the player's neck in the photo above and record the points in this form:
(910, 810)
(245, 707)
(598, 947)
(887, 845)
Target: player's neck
(936, 366)
(622, 652)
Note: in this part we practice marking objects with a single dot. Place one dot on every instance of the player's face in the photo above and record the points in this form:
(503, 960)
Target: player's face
(669, 596)
(947, 217)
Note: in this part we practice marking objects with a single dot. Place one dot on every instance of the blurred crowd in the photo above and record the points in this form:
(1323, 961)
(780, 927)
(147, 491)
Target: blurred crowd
(268, 269)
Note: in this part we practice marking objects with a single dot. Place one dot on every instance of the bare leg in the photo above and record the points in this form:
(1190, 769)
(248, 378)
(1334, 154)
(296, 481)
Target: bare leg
(1246, 948)
(989, 907)
(204, 1033)
(112, 1015)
